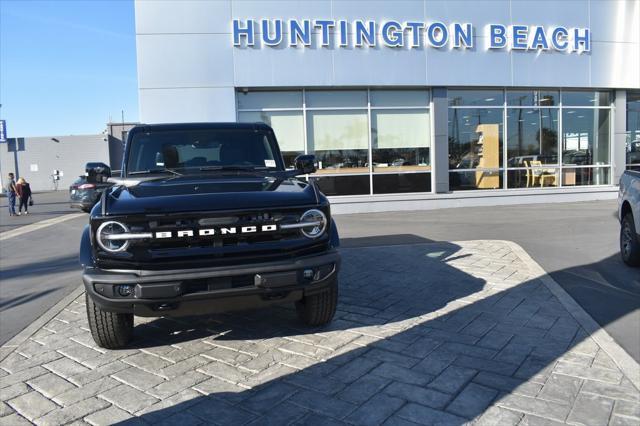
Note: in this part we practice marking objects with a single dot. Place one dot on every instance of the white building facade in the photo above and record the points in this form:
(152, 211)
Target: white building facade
(411, 103)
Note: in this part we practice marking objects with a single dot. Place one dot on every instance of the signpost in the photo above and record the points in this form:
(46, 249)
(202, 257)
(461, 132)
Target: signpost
(3, 130)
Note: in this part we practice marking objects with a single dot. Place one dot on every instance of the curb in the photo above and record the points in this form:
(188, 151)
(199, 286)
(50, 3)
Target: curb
(9, 347)
(629, 367)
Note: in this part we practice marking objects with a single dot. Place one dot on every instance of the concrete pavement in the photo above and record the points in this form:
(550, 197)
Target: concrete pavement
(576, 243)
(435, 333)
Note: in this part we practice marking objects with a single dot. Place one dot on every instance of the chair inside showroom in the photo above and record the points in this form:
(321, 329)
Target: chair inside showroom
(529, 173)
(543, 175)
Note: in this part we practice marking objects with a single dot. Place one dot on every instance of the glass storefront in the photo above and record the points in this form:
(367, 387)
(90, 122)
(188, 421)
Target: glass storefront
(365, 141)
(534, 154)
(633, 130)
(378, 141)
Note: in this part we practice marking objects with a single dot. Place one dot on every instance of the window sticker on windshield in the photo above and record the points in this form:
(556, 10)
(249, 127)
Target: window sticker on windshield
(270, 163)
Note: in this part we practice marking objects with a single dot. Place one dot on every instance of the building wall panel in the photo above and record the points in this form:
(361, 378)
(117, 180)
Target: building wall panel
(69, 155)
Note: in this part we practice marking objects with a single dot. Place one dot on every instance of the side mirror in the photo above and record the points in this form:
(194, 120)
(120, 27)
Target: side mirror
(305, 164)
(97, 172)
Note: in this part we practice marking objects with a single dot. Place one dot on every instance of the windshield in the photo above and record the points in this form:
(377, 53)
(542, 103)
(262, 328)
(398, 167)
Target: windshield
(200, 150)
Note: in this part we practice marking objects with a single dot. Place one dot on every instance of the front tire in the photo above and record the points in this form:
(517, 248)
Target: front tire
(110, 330)
(629, 244)
(319, 308)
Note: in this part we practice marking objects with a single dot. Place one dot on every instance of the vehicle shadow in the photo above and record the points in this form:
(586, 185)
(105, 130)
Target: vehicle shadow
(415, 339)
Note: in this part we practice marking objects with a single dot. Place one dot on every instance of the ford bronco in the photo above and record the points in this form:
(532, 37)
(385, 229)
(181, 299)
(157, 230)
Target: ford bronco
(205, 219)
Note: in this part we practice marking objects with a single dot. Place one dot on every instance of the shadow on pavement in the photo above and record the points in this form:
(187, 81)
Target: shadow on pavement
(6, 303)
(609, 290)
(55, 265)
(414, 339)
(383, 240)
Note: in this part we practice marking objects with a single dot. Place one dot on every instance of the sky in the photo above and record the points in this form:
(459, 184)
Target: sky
(66, 66)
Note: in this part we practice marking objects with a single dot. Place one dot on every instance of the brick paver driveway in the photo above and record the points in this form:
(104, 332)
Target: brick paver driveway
(443, 333)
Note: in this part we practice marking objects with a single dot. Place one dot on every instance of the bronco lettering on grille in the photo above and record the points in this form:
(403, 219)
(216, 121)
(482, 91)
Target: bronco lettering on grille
(234, 230)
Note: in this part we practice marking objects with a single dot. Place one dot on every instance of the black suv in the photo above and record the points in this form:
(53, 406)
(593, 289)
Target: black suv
(86, 191)
(206, 219)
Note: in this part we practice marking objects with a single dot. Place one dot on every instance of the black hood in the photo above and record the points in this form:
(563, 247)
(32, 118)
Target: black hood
(184, 194)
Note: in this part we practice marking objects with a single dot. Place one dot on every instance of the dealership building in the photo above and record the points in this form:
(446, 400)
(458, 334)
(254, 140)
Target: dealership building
(411, 104)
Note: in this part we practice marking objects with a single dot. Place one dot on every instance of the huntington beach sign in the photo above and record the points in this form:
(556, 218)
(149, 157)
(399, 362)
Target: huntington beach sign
(328, 33)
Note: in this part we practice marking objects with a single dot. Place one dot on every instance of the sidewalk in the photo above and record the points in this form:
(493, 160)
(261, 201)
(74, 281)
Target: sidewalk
(440, 333)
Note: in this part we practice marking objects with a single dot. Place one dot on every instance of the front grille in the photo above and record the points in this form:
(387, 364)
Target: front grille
(210, 250)
(217, 241)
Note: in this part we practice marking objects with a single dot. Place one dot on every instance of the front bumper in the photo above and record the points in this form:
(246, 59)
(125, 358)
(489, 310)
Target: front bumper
(80, 205)
(211, 290)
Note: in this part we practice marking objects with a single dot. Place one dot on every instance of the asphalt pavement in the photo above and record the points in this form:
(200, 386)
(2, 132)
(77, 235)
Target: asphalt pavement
(46, 205)
(576, 243)
(37, 268)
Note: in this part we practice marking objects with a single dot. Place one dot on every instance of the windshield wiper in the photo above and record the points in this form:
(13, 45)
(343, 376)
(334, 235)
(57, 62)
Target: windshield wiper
(153, 171)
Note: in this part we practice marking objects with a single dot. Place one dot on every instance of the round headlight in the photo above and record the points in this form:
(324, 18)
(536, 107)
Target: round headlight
(317, 223)
(106, 233)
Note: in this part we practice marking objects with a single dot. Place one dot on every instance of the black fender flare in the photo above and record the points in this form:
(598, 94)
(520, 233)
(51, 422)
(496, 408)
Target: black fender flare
(335, 237)
(86, 253)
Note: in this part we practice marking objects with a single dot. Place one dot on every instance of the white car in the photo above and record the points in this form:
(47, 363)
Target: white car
(629, 215)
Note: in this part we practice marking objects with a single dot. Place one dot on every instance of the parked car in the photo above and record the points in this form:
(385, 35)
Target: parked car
(207, 219)
(86, 191)
(629, 214)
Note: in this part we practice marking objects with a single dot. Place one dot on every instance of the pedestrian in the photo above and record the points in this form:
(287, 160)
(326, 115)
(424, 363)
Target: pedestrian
(11, 194)
(23, 189)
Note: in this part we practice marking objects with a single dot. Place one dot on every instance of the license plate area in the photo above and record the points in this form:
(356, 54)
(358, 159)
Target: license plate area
(276, 279)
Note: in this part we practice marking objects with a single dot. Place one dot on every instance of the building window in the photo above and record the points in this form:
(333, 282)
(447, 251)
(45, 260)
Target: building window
(633, 130)
(280, 110)
(475, 145)
(400, 141)
(553, 138)
(532, 139)
(365, 141)
(533, 98)
(340, 142)
(586, 135)
(288, 127)
(585, 144)
(586, 98)
(475, 98)
(338, 135)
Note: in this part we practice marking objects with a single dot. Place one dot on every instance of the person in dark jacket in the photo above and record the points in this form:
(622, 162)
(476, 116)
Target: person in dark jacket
(24, 193)
(11, 195)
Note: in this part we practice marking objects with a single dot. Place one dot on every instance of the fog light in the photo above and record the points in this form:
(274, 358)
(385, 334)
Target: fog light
(125, 290)
(308, 274)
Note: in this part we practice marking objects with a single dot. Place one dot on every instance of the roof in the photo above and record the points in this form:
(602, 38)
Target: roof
(200, 126)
